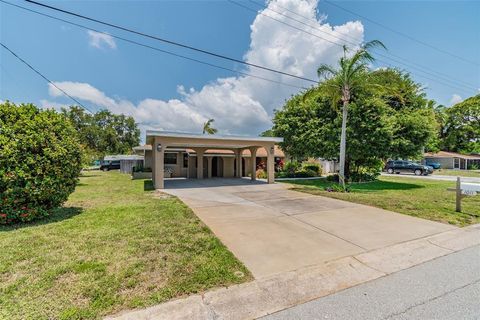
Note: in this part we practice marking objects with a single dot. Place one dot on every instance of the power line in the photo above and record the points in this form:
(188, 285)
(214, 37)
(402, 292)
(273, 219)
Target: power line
(171, 42)
(402, 34)
(155, 48)
(41, 75)
(445, 76)
(456, 86)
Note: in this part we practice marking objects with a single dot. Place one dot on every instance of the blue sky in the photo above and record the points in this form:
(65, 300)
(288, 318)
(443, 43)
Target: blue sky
(166, 92)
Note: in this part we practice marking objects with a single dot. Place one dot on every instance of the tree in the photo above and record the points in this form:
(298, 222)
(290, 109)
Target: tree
(39, 164)
(460, 130)
(394, 120)
(349, 77)
(103, 132)
(207, 127)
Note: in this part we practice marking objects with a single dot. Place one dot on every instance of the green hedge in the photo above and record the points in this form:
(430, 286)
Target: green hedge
(40, 161)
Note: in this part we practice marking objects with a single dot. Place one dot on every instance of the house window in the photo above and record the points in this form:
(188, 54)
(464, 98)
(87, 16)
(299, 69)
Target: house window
(170, 158)
(185, 160)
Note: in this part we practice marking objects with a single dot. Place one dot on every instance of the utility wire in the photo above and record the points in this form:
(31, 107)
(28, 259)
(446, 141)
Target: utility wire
(445, 76)
(459, 87)
(41, 75)
(171, 42)
(402, 34)
(155, 48)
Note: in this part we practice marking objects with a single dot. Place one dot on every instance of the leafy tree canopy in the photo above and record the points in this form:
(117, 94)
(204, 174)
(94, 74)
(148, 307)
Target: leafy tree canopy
(390, 117)
(460, 130)
(104, 132)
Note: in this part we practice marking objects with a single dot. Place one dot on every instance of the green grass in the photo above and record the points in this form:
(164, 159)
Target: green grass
(421, 198)
(458, 173)
(113, 246)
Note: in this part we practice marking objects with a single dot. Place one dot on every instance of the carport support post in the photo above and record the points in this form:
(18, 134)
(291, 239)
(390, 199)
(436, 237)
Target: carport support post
(200, 152)
(238, 156)
(159, 152)
(271, 164)
(253, 162)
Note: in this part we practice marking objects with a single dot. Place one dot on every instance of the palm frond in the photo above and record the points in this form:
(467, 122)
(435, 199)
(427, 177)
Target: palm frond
(325, 71)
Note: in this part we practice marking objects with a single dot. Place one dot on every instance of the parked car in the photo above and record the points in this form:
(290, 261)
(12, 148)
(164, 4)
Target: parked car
(110, 165)
(402, 166)
(433, 164)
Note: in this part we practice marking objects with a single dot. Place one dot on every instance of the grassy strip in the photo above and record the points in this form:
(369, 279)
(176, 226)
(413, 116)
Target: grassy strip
(458, 173)
(113, 246)
(428, 199)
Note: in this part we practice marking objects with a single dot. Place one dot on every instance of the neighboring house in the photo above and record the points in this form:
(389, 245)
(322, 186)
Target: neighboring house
(190, 155)
(127, 161)
(453, 160)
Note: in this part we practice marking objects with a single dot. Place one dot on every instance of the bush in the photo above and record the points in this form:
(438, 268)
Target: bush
(305, 173)
(333, 178)
(313, 166)
(290, 167)
(261, 174)
(366, 174)
(40, 161)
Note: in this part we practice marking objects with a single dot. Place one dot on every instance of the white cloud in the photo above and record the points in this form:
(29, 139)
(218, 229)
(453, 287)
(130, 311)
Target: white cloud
(239, 104)
(99, 40)
(455, 99)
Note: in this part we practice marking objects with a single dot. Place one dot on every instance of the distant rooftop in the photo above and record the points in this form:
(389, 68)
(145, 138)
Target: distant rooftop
(448, 154)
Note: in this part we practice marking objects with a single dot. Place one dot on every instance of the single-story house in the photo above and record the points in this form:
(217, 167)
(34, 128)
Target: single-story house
(189, 155)
(453, 160)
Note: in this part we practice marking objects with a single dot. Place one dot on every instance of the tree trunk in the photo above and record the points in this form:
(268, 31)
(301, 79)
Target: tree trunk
(343, 143)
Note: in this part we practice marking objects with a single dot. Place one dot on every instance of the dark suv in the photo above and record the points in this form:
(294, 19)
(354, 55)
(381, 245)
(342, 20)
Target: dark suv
(110, 165)
(402, 166)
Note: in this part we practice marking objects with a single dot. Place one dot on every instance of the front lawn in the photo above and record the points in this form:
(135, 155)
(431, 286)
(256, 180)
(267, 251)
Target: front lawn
(422, 198)
(113, 246)
(457, 173)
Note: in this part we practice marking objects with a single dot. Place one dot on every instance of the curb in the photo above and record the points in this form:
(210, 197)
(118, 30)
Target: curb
(271, 294)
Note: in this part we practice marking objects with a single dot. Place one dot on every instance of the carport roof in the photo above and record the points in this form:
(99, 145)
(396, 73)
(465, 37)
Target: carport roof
(215, 137)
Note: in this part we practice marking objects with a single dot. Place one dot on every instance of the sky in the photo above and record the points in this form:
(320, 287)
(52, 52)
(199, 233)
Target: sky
(437, 41)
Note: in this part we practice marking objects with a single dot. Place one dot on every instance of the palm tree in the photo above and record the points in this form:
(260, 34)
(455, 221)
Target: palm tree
(207, 128)
(349, 76)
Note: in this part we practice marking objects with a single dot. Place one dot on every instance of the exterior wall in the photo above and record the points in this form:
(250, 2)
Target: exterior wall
(148, 159)
(228, 167)
(446, 163)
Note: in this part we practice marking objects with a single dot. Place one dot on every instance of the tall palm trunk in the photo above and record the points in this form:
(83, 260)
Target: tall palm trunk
(343, 142)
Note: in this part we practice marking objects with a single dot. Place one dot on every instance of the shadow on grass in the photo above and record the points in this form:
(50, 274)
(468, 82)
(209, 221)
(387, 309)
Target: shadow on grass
(385, 185)
(148, 185)
(57, 215)
(377, 185)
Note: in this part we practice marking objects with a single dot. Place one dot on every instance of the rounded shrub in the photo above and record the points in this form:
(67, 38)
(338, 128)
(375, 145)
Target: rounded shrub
(40, 161)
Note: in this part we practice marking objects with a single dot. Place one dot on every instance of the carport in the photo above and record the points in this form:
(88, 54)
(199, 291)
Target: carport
(205, 147)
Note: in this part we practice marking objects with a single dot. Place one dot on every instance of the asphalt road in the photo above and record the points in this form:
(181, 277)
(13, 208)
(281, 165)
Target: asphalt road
(434, 177)
(445, 288)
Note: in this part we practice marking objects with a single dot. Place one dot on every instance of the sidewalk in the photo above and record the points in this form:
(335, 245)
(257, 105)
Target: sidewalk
(267, 295)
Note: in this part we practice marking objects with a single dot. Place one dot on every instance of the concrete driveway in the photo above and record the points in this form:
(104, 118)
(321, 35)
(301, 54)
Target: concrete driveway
(272, 229)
